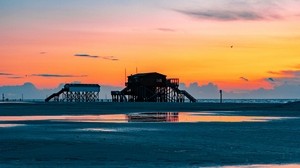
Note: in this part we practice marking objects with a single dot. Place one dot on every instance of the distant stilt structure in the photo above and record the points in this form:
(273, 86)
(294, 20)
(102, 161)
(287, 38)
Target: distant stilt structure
(151, 87)
(3, 98)
(76, 93)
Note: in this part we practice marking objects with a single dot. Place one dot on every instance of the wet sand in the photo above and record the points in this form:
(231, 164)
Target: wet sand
(38, 108)
(49, 143)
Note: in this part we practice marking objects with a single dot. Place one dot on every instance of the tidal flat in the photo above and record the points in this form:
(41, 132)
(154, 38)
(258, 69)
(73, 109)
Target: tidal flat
(149, 135)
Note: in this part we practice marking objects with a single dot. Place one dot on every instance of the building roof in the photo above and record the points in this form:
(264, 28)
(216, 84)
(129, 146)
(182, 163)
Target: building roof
(81, 85)
(146, 74)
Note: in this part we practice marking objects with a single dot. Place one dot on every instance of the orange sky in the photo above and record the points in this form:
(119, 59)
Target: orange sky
(189, 40)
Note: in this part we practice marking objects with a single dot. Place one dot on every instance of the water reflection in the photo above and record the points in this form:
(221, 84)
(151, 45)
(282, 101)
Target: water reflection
(153, 117)
(193, 117)
(146, 117)
(115, 118)
(10, 125)
(98, 130)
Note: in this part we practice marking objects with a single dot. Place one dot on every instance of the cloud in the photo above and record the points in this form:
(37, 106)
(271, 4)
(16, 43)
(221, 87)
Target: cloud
(14, 77)
(111, 58)
(283, 77)
(211, 91)
(286, 73)
(10, 76)
(224, 15)
(43, 52)
(244, 79)
(235, 10)
(86, 55)
(206, 91)
(58, 75)
(166, 29)
(5, 74)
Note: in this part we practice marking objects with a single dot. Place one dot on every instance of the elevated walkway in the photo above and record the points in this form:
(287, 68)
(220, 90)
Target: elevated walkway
(76, 93)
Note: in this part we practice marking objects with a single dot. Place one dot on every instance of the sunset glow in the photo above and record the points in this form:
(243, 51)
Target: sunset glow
(197, 41)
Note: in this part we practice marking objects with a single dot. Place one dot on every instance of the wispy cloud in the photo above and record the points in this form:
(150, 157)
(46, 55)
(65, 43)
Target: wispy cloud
(111, 58)
(228, 15)
(86, 55)
(233, 10)
(286, 73)
(166, 29)
(5, 74)
(244, 79)
(14, 77)
(284, 76)
(58, 75)
(10, 76)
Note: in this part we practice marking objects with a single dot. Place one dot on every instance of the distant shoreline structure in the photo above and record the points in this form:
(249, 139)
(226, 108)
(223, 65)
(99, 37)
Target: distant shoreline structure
(258, 101)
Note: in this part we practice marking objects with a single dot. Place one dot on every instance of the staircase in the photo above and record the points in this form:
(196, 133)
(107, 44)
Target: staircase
(174, 83)
(189, 96)
(55, 95)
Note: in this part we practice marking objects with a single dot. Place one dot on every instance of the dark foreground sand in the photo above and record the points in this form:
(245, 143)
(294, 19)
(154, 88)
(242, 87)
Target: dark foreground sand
(73, 144)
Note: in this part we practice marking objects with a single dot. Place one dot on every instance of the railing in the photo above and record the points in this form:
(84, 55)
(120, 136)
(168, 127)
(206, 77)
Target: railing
(173, 81)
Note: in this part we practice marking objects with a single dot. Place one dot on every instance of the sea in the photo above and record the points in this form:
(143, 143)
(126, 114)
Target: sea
(247, 100)
(198, 100)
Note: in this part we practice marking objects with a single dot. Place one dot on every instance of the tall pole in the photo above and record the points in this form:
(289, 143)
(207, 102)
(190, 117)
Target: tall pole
(125, 76)
(221, 96)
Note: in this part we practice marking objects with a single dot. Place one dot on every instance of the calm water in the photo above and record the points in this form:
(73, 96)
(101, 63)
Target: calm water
(248, 100)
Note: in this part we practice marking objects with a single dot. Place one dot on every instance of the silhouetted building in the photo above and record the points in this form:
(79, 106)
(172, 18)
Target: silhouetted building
(151, 87)
(76, 93)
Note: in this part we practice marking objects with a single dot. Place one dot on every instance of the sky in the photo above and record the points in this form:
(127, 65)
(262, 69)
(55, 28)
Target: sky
(233, 44)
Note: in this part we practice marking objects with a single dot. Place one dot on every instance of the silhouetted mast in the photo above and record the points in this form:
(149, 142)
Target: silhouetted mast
(125, 76)
(221, 96)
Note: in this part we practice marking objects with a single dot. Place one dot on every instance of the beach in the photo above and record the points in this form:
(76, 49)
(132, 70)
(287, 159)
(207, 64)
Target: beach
(51, 140)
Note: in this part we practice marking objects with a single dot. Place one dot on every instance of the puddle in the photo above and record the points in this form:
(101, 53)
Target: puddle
(117, 129)
(10, 125)
(186, 117)
(98, 130)
(146, 117)
(262, 166)
(114, 118)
